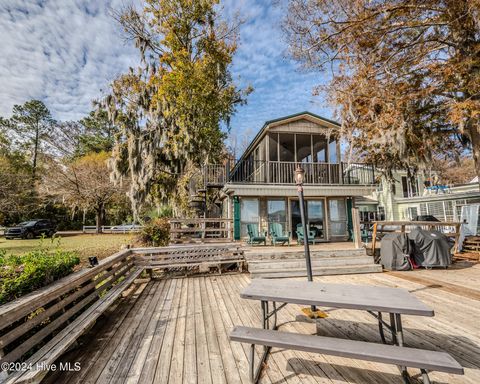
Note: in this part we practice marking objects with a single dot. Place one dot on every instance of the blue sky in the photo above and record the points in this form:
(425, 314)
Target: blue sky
(65, 52)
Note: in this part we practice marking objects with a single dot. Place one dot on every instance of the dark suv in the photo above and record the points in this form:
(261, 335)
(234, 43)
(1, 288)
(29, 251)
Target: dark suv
(31, 229)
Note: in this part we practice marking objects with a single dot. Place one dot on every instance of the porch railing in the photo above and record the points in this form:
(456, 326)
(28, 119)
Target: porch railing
(283, 172)
(201, 230)
(214, 174)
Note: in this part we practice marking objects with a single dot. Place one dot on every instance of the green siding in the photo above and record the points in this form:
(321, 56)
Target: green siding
(349, 219)
(236, 218)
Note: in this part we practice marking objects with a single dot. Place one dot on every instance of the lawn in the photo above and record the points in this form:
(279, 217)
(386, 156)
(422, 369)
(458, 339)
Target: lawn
(84, 244)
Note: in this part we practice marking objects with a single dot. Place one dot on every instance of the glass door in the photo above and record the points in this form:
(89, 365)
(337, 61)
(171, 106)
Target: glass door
(249, 214)
(315, 216)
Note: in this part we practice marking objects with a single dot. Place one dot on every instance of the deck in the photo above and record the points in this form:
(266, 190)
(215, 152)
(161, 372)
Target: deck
(176, 331)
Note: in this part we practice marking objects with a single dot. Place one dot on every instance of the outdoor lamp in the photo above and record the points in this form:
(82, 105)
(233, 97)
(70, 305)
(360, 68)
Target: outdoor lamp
(311, 312)
(299, 175)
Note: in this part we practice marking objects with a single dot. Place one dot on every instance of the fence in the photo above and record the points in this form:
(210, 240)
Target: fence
(201, 230)
(112, 229)
(449, 229)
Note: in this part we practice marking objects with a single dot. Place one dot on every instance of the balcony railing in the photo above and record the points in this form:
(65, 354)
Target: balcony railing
(283, 172)
(214, 175)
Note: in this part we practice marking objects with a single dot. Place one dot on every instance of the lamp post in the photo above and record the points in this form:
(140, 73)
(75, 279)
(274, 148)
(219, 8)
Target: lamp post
(299, 176)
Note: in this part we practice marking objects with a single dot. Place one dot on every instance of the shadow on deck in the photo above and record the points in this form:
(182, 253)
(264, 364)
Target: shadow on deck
(176, 331)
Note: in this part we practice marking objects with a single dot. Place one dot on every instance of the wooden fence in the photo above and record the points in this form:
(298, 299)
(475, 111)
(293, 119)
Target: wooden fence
(111, 229)
(449, 229)
(39, 327)
(201, 230)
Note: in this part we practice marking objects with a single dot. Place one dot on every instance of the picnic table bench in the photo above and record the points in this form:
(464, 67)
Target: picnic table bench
(375, 300)
(188, 257)
(36, 329)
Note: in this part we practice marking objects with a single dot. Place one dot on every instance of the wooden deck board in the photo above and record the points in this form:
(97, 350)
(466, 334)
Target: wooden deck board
(176, 331)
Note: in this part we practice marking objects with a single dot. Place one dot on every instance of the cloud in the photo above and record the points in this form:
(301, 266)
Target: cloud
(66, 52)
(262, 61)
(62, 52)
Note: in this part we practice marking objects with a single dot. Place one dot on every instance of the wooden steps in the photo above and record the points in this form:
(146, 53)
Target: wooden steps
(292, 264)
(471, 249)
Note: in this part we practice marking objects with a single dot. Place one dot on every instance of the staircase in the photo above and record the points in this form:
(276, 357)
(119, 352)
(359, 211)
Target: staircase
(471, 249)
(324, 262)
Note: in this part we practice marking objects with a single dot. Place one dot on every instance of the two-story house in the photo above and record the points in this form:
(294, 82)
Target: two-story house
(260, 189)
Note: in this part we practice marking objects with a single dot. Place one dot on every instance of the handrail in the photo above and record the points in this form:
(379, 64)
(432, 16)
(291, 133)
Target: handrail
(202, 229)
(283, 172)
(28, 320)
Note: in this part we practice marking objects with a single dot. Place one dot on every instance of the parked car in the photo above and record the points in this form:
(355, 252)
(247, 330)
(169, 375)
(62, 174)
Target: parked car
(426, 218)
(31, 229)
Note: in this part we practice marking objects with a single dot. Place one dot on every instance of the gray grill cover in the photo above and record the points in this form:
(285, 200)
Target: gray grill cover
(394, 252)
(430, 248)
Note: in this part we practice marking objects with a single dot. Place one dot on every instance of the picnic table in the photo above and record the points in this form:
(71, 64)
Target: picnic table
(373, 299)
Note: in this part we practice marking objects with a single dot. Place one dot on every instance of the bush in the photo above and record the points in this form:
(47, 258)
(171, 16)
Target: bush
(155, 233)
(22, 274)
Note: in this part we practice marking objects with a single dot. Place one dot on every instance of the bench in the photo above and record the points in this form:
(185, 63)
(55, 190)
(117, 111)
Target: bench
(48, 321)
(381, 353)
(188, 257)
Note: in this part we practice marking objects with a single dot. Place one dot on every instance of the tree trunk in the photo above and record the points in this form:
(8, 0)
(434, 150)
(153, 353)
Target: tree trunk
(475, 139)
(35, 152)
(99, 217)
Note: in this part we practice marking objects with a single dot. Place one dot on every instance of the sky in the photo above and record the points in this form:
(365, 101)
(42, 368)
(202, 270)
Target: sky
(66, 52)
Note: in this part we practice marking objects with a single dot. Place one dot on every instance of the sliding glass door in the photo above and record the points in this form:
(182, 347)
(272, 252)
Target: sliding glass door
(315, 217)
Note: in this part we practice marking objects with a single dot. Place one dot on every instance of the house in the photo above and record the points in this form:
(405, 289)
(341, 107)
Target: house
(260, 188)
(405, 199)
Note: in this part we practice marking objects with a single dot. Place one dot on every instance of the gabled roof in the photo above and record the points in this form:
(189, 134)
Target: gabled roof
(287, 119)
(299, 116)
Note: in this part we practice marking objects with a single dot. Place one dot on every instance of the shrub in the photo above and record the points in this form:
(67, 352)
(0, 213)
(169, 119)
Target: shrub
(22, 274)
(155, 233)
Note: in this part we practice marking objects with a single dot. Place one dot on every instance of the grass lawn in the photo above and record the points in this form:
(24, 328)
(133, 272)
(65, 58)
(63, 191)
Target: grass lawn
(84, 244)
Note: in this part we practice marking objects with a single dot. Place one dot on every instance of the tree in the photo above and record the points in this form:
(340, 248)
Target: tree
(31, 123)
(405, 75)
(84, 183)
(461, 171)
(15, 196)
(171, 109)
(99, 133)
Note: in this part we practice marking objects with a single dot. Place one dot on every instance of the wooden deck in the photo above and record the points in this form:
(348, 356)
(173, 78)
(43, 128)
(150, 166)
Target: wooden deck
(176, 331)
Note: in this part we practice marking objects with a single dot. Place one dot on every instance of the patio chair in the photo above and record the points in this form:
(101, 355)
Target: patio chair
(254, 237)
(301, 237)
(278, 235)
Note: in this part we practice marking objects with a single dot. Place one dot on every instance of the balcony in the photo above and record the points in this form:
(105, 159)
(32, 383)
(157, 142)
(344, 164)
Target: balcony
(283, 172)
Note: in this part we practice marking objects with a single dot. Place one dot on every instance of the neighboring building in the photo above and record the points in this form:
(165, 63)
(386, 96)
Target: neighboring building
(260, 188)
(404, 200)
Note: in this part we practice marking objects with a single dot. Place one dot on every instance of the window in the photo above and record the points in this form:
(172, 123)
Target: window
(338, 217)
(332, 151)
(404, 186)
(248, 214)
(381, 213)
(315, 216)
(412, 213)
(287, 146)
(273, 147)
(304, 148)
(409, 189)
(319, 148)
(277, 212)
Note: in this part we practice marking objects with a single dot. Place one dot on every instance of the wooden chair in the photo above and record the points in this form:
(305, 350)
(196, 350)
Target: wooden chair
(278, 235)
(301, 237)
(254, 237)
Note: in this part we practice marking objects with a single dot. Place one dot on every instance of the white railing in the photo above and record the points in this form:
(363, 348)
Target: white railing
(112, 229)
(2, 230)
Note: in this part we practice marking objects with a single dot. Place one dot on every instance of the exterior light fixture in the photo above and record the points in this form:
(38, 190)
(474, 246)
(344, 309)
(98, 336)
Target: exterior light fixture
(311, 312)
